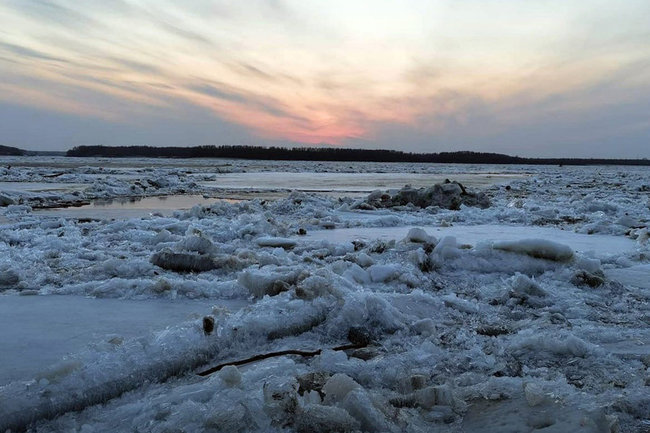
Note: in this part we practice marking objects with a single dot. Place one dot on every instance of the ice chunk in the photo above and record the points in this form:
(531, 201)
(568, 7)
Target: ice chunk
(58, 371)
(337, 387)
(538, 248)
(313, 287)
(414, 382)
(563, 344)
(425, 327)
(535, 395)
(227, 417)
(5, 200)
(426, 398)
(421, 259)
(627, 221)
(375, 195)
(357, 403)
(183, 262)
(589, 265)
(383, 273)
(230, 376)
(274, 242)
(281, 400)
(316, 418)
(364, 260)
(8, 278)
(522, 285)
(163, 236)
(586, 278)
(260, 283)
(453, 301)
(447, 248)
(418, 235)
(312, 381)
(356, 274)
(197, 244)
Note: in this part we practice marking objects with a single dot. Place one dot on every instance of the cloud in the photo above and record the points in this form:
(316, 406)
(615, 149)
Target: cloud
(20, 51)
(178, 125)
(134, 65)
(185, 33)
(412, 75)
(211, 90)
(54, 12)
(600, 119)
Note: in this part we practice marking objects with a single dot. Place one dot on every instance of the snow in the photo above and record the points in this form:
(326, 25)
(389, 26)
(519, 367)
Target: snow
(532, 311)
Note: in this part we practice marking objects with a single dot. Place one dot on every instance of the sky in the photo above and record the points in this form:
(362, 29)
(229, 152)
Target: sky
(529, 78)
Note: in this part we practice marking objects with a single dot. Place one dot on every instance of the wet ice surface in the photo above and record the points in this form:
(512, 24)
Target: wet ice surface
(132, 207)
(38, 331)
(538, 304)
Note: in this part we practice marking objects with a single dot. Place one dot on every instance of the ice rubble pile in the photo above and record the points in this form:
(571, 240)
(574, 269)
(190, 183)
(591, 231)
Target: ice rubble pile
(449, 195)
(524, 335)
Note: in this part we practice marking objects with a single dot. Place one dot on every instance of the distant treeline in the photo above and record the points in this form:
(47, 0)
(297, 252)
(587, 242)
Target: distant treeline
(332, 154)
(11, 151)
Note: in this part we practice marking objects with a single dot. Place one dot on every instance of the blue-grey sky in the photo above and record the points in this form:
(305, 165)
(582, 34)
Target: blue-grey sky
(532, 78)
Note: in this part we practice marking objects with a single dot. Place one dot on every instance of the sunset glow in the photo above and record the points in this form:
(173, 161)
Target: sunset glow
(441, 75)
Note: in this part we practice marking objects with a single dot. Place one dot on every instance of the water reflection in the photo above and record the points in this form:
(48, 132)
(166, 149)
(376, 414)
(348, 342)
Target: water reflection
(133, 207)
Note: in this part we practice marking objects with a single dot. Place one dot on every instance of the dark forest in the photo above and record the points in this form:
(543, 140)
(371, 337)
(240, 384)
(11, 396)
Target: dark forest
(332, 154)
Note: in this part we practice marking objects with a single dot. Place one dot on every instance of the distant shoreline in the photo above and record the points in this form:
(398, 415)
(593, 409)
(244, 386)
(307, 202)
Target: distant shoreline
(322, 154)
(319, 154)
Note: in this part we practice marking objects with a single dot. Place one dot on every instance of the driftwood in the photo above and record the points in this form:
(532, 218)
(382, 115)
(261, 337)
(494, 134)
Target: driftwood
(306, 353)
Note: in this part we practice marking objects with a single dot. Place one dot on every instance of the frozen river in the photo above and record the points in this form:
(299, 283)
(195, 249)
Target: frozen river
(540, 306)
(111, 191)
(347, 182)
